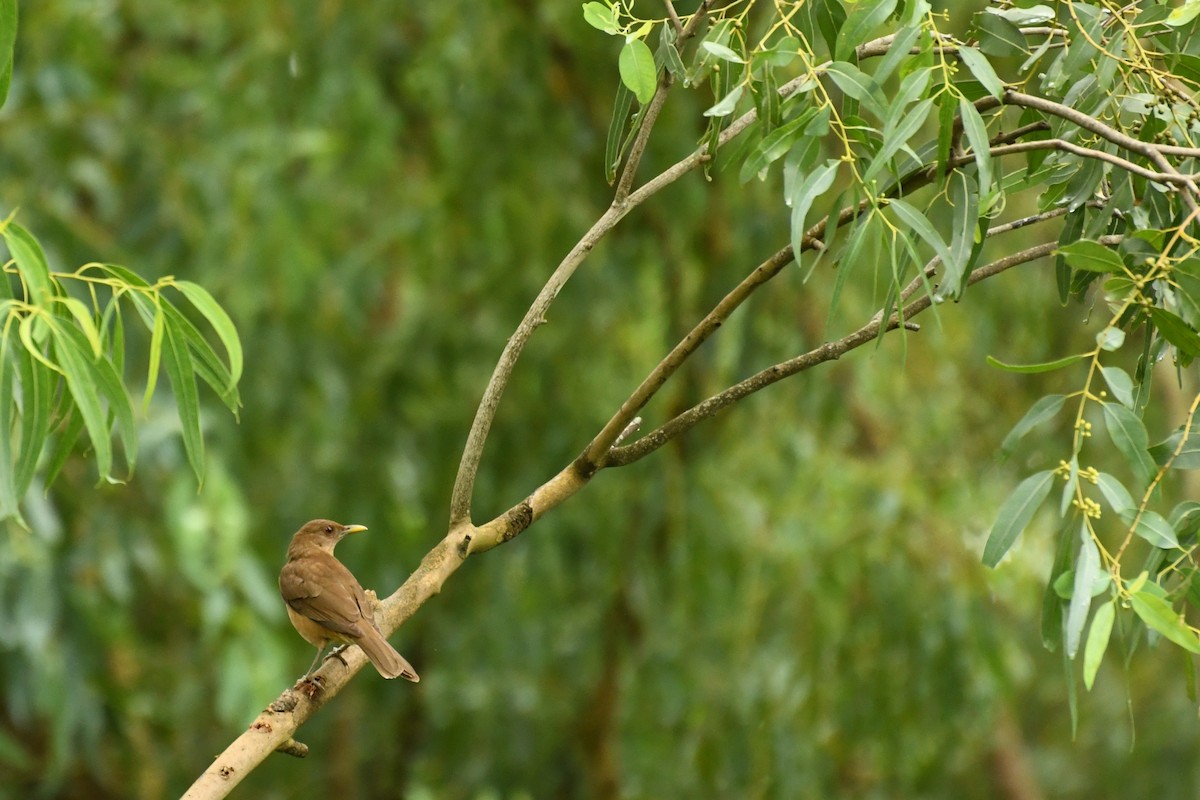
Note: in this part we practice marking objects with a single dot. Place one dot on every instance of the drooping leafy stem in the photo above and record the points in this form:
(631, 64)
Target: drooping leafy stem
(63, 360)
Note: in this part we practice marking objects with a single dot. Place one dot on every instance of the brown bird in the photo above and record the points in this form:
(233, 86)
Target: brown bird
(327, 605)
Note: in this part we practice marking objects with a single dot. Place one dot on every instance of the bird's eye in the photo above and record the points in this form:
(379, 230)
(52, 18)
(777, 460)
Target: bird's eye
(329, 529)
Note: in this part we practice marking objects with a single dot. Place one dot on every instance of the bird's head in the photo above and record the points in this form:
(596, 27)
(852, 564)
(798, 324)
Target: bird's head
(323, 533)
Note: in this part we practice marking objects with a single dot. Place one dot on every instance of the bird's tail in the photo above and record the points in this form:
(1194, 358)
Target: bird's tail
(387, 661)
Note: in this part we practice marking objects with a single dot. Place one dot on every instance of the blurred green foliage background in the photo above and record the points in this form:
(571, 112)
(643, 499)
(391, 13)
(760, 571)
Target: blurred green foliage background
(786, 603)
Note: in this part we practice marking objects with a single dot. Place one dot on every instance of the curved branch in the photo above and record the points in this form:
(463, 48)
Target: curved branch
(830, 351)
(1155, 153)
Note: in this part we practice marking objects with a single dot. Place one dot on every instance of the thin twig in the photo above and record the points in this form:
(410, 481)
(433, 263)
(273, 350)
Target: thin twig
(830, 351)
(1156, 153)
(638, 148)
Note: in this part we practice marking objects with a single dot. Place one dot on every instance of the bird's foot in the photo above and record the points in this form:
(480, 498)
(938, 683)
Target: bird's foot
(337, 653)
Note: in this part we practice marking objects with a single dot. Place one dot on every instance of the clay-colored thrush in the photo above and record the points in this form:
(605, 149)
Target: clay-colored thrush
(327, 605)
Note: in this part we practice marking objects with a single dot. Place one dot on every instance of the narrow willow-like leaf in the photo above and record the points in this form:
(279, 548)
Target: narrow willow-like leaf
(83, 318)
(1158, 615)
(864, 17)
(613, 147)
(221, 323)
(155, 357)
(1156, 530)
(113, 391)
(1097, 641)
(952, 286)
(726, 105)
(1044, 409)
(775, 145)
(1175, 331)
(1120, 384)
(1091, 256)
(76, 364)
(183, 384)
(636, 65)
(1128, 434)
(1087, 569)
(1015, 515)
(31, 263)
(981, 149)
(981, 68)
(205, 362)
(64, 443)
(894, 139)
(1115, 493)
(813, 186)
(1052, 604)
(37, 395)
(9, 498)
(1046, 366)
(8, 37)
(964, 198)
(1189, 453)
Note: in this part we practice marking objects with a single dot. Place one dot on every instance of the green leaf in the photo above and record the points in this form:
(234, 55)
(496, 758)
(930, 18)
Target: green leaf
(1175, 331)
(1184, 14)
(1039, 412)
(1034, 15)
(919, 223)
(1118, 497)
(8, 37)
(977, 136)
(1091, 256)
(37, 396)
(1110, 339)
(204, 361)
(813, 186)
(726, 105)
(1120, 384)
(1052, 605)
(775, 145)
(1158, 615)
(857, 84)
(9, 497)
(220, 321)
(1156, 530)
(1046, 366)
(1087, 568)
(76, 364)
(999, 37)
(155, 357)
(636, 64)
(981, 68)
(63, 445)
(600, 17)
(1128, 434)
(1015, 515)
(31, 263)
(1097, 641)
(964, 222)
(108, 382)
(864, 17)
(614, 146)
(722, 52)
(893, 140)
(1189, 454)
(83, 318)
(183, 384)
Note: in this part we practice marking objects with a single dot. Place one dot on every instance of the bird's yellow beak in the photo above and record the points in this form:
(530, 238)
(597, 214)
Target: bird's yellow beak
(355, 529)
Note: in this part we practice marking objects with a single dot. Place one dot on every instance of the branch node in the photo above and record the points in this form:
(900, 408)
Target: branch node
(516, 520)
(464, 546)
(630, 429)
(293, 748)
(912, 326)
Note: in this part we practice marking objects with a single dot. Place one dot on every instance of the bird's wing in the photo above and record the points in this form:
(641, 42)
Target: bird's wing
(324, 591)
